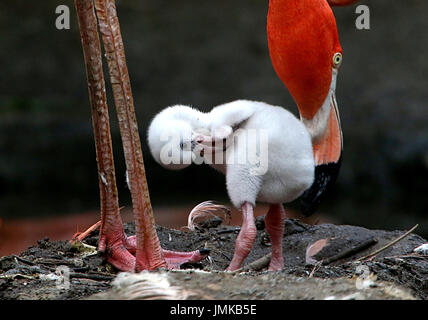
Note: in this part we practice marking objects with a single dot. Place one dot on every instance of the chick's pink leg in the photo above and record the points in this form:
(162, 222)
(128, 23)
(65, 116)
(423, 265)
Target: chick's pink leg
(245, 239)
(275, 228)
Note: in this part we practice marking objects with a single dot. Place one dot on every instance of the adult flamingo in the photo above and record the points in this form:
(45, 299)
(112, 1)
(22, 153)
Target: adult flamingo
(306, 55)
(142, 251)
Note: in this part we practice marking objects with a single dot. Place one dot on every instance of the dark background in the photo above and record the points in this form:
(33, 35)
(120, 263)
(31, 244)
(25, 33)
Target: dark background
(205, 53)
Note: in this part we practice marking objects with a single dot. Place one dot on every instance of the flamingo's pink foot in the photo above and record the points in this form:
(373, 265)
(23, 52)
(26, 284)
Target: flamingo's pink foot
(113, 247)
(120, 257)
(173, 259)
(121, 252)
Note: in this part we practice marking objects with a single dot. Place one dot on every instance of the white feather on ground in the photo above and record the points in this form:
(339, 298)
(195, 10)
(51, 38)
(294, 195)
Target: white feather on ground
(147, 286)
(207, 209)
(423, 249)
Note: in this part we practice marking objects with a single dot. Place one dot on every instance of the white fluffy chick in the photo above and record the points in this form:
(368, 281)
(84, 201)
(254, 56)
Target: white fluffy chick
(264, 151)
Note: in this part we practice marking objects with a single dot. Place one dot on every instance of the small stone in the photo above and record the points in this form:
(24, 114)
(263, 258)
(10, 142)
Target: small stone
(260, 223)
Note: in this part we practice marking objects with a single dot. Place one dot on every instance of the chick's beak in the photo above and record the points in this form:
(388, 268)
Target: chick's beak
(208, 144)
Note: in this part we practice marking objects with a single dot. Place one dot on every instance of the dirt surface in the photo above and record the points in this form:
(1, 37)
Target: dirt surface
(396, 273)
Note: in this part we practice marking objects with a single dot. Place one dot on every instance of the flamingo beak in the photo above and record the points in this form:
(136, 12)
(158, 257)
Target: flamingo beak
(328, 158)
(327, 155)
(307, 56)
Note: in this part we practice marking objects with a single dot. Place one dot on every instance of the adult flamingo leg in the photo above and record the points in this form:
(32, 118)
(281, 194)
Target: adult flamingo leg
(149, 254)
(112, 235)
(245, 239)
(275, 227)
(173, 259)
(145, 245)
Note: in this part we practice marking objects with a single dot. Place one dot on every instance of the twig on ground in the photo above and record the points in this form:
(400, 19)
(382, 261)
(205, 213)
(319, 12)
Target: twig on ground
(316, 267)
(221, 253)
(408, 256)
(350, 252)
(90, 276)
(373, 254)
(237, 229)
(257, 265)
(23, 260)
(17, 275)
(53, 261)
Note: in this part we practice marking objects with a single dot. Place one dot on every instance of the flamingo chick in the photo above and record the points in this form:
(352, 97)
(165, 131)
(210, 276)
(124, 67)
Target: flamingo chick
(230, 138)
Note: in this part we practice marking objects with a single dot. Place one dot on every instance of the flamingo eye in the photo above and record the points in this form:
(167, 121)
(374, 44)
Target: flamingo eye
(337, 60)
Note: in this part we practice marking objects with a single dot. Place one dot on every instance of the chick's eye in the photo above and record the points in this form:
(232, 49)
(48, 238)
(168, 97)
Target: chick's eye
(337, 60)
(184, 145)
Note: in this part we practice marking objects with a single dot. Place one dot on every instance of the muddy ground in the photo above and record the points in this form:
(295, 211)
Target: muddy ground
(396, 273)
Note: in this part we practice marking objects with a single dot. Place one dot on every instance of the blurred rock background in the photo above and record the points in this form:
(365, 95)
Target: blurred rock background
(204, 53)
